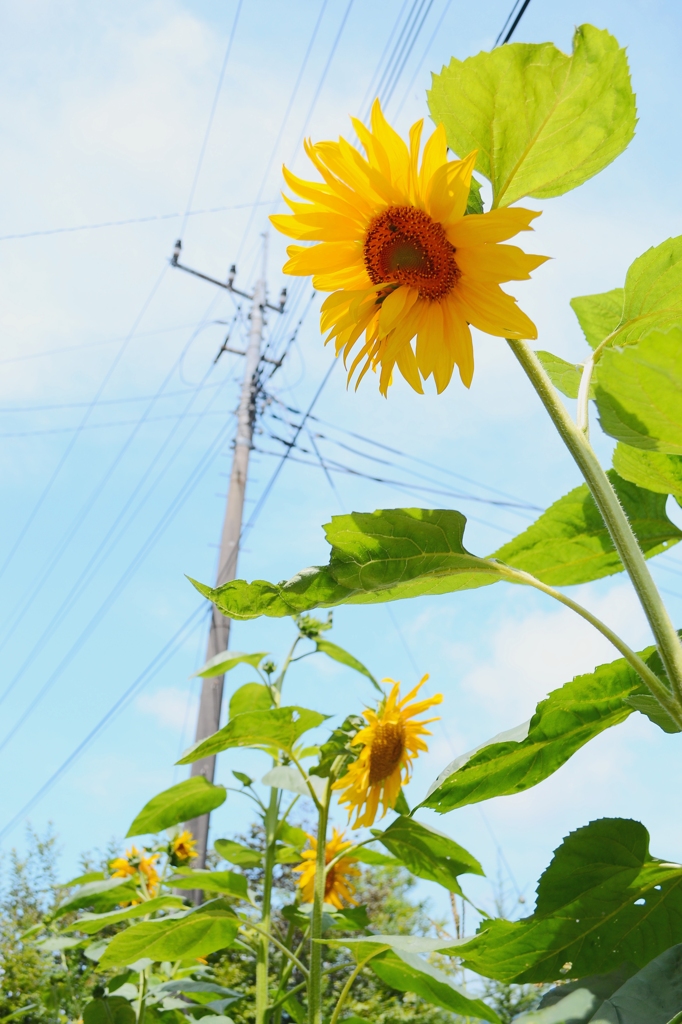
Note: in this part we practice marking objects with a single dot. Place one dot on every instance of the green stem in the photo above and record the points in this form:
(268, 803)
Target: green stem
(280, 945)
(626, 545)
(349, 984)
(142, 992)
(315, 981)
(263, 954)
(648, 677)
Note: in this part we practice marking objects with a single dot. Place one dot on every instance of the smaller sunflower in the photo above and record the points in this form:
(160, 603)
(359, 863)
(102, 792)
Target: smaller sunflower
(391, 742)
(338, 884)
(183, 848)
(135, 863)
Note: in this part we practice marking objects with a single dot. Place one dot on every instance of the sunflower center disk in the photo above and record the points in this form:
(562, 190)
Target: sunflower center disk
(404, 244)
(388, 745)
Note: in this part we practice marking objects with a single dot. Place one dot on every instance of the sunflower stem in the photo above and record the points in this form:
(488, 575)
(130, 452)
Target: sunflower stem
(263, 952)
(315, 981)
(349, 983)
(616, 521)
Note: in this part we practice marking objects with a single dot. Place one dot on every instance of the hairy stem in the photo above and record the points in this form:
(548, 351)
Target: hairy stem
(315, 983)
(626, 545)
(349, 984)
(263, 953)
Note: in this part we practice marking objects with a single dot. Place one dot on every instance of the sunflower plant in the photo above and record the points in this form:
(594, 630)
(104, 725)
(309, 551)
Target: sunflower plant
(156, 926)
(394, 231)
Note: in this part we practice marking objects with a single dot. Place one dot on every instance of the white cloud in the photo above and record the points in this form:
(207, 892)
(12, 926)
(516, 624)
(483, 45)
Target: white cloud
(172, 707)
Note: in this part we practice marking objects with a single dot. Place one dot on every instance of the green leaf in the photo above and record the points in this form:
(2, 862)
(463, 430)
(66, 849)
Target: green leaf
(652, 298)
(654, 470)
(603, 900)
(338, 654)
(226, 661)
(564, 376)
(292, 835)
(109, 1010)
(250, 697)
(639, 392)
(235, 853)
(367, 856)
(570, 543)
(542, 122)
(377, 556)
(567, 719)
(98, 896)
(599, 315)
(475, 200)
(338, 751)
(91, 923)
(428, 853)
(244, 779)
(289, 778)
(182, 802)
(227, 882)
(91, 876)
(279, 727)
(198, 933)
(649, 706)
(576, 1001)
(401, 967)
(652, 996)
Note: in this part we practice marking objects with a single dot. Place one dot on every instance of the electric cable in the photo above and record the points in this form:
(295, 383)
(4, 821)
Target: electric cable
(427, 49)
(69, 448)
(407, 50)
(500, 41)
(211, 116)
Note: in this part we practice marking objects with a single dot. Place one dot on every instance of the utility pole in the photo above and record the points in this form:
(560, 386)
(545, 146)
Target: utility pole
(208, 720)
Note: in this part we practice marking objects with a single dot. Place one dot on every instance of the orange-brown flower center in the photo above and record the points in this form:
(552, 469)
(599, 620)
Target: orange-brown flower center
(404, 244)
(388, 744)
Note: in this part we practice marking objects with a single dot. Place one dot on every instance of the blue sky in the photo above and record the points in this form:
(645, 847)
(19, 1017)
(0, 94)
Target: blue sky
(104, 109)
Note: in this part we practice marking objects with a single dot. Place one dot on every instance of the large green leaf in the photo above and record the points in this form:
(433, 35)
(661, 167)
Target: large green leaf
(654, 470)
(567, 719)
(235, 853)
(398, 963)
(182, 802)
(570, 543)
(198, 933)
(226, 661)
(564, 376)
(428, 853)
(541, 121)
(652, 298)
(575, 1002)
(250, 697)
(278, 727)
(603, 900)
(652, 996)
(99, 896)
(338, 654)
(108, 1010)
(377, 556)
(227, 882)
(639, 391)
(91, 923)
(599, 315)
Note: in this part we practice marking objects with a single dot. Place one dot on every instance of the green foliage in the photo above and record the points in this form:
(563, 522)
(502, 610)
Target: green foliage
(277, 728)
(180, 937)
(237, 853)
(338, 654)
(226, 661)
(183, 802)
(227, 882)
(639, 391)
(570, 543)
(599, 315)
(428, 853)
(564, 376)
(109, 1010)
(541, 121)
(98, 896)
(602, 900)
(652, 996)
(654, 470)
(250, 697)
(567, 719)
(652, 298)
(91, 923)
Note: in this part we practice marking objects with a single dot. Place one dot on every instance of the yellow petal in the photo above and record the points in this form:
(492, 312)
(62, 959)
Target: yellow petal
(394, 147)
(396, 305)
(327, 256)
(459, 337)
(493, 262)
(490, 309)
(494, 226)
(447, 192)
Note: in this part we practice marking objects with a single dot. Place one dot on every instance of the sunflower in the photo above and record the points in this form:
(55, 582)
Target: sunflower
(338, 884)
(391, 741)
(135, 863)
(183, 848)
(400, 257)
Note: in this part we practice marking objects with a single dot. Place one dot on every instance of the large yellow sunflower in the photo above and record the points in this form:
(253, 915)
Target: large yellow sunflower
(338, 884)
(391, 741)
(401, 258)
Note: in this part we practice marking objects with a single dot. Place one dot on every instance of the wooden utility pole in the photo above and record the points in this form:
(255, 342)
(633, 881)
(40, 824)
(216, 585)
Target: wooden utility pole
(210, 705)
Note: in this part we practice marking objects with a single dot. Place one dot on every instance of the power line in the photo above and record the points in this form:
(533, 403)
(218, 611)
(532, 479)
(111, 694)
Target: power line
(131, 220)
(214, 107)
(407, 50)
(69, 448)
(514, 25)
(427, 48)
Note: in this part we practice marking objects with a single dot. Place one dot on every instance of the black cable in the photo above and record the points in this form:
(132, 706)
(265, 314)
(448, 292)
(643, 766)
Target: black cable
(427, 48)
(514, 25)
(390, 89)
